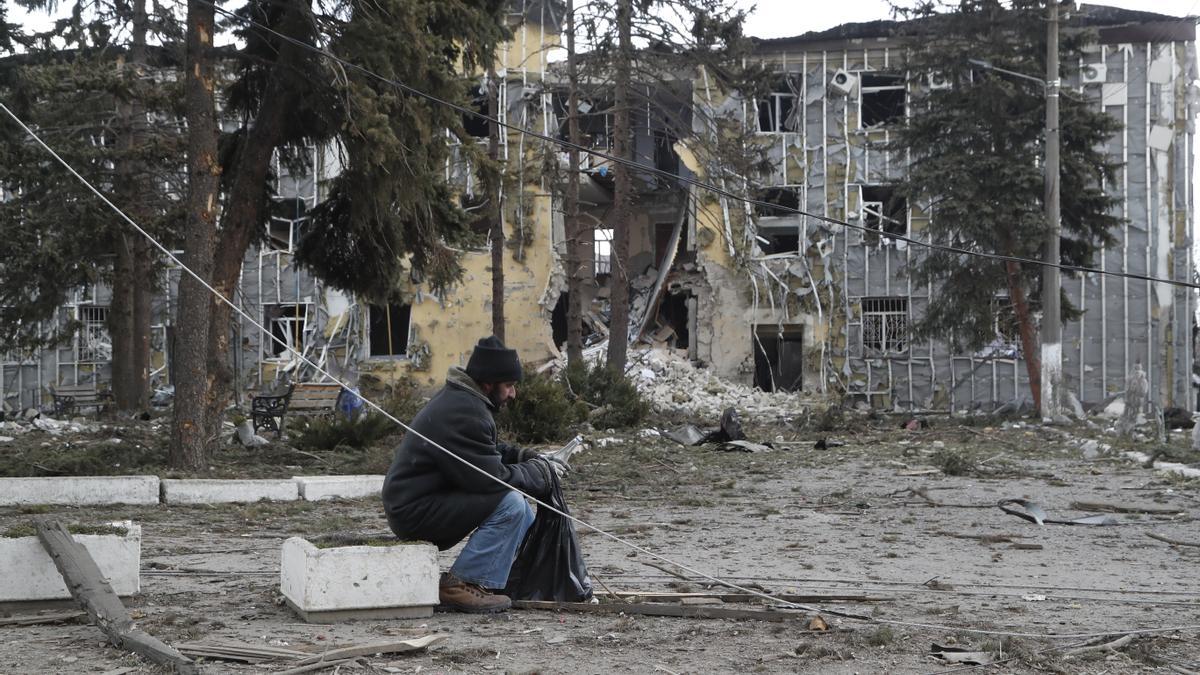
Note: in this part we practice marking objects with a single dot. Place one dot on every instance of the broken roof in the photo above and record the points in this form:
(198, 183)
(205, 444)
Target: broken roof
(1114, 24)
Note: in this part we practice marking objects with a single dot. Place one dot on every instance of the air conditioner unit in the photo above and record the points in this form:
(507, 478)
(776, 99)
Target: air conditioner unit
(1093, 73)
(937, 80)
(843, 82)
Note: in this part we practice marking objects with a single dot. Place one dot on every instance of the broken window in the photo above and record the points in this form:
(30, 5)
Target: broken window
(665, 158)
(602, 251)
(475, 125)
(883, 99)
(93, 344)
(289, 216)
(885, 325)
(775, 108)
(287, 323)
(883, 210)
(388, 328)
(777, 202)
(772, 240)
(778, 357)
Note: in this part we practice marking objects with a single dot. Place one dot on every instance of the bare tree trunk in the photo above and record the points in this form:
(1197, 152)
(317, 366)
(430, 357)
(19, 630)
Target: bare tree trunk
(1029, 344)
(571, 203)
(246, 199)
(618, 334)
(495, 188)
(189, 433)
(120, 308)
(128, 317)
(143, 294)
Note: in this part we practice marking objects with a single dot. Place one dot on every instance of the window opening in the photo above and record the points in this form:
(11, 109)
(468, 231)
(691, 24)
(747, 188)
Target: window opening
(775, 108)
(781, 202)
(388, 327)
(289, 217)
(477, 100)
(665, 158)
(602, 251)
(287, 324)
(93, 344)
(883, 99)
(778, 357)
(885, 325)
(883, 210)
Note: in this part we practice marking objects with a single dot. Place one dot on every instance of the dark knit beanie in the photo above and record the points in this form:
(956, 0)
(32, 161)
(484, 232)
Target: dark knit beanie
(493, 362)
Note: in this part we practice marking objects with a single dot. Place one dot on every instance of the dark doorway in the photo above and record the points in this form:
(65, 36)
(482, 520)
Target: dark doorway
(778, 358)
(558, 320)
(673, 312)
(388, 328)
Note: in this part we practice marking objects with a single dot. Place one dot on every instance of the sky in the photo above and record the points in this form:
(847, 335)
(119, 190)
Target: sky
(785, 18)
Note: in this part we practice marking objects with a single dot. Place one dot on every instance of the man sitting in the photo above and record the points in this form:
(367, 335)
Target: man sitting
(441, 497)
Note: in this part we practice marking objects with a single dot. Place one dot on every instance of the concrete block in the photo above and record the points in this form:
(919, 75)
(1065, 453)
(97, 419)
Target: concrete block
(314, 488)
(30, 574)
(325, 585)
(79, 490)
(220, 491)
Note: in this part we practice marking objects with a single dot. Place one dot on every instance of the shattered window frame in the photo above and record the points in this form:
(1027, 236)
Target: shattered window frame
(880, 101)
(882, 212)
(292, 338)
(369, 324)
(885, 324)
(776, 107)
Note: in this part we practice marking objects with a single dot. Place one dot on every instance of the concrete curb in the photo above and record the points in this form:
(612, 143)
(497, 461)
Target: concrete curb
(219, 491)
(316, 488)
(79, 490)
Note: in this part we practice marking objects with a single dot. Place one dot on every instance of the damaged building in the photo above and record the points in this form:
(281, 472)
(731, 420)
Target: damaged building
(757, 296)
(837, 94)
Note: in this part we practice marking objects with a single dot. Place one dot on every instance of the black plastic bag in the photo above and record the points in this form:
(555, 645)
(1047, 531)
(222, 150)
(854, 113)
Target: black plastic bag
(549, 564)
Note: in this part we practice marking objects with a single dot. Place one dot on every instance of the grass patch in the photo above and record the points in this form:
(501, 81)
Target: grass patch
(28, 530)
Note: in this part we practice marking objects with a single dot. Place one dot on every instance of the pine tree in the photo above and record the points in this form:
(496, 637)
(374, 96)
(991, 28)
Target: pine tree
(976, 150)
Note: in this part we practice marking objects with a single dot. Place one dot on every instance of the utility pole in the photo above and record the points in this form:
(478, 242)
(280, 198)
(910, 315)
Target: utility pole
(1051, 356)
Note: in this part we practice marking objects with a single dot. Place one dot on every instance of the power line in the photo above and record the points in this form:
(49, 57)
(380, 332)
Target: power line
(688, 180)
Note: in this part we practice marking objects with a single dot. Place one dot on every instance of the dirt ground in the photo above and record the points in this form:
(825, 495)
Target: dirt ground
(866, 518)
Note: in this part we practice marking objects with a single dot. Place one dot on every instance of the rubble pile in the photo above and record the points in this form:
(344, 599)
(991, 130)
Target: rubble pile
(671, 384)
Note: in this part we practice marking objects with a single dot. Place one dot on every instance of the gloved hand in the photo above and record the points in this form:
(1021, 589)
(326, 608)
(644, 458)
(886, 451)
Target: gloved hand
(560, 469)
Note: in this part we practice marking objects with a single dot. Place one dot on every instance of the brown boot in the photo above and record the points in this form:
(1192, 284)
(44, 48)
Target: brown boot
(456, 595)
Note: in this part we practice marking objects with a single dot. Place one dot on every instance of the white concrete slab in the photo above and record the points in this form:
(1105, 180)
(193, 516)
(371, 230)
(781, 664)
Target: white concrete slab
(1165, 467)
(222, 491)
(337, 582)
(30, 575)
(79, 490)
(315, 488)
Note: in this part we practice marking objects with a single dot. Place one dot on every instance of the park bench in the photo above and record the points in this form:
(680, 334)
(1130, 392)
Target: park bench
(69, 398)
(270, 411)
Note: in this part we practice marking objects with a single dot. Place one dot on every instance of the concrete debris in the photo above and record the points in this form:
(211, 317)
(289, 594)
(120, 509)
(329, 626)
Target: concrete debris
(6, 439)
(1136, 389)
(671, 384)
(55, 427)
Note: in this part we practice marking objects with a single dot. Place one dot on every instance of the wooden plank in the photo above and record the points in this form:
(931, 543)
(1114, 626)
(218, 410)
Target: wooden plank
(664, 609)
(393, 647)
(32, 619)
(94, 594)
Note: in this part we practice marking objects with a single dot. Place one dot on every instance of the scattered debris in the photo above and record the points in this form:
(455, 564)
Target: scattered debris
(47, 617)
(818, 623)
(673, 385)
(747, 446)
(960, 655)
(247, 437)
(227, 650)
(1034, 514)
(665, 609)
(1118, 508)
(826, 443)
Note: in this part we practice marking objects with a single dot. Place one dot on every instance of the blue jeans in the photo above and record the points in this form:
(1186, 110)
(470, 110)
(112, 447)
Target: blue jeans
(488, 556)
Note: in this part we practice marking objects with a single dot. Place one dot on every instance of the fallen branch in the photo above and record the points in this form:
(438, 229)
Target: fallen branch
(350, 653)
(94, 594)
(672, 572)
(1173, 542)
(1105, 647)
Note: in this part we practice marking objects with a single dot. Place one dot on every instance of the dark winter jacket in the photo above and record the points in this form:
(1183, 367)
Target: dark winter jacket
(431, 496)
